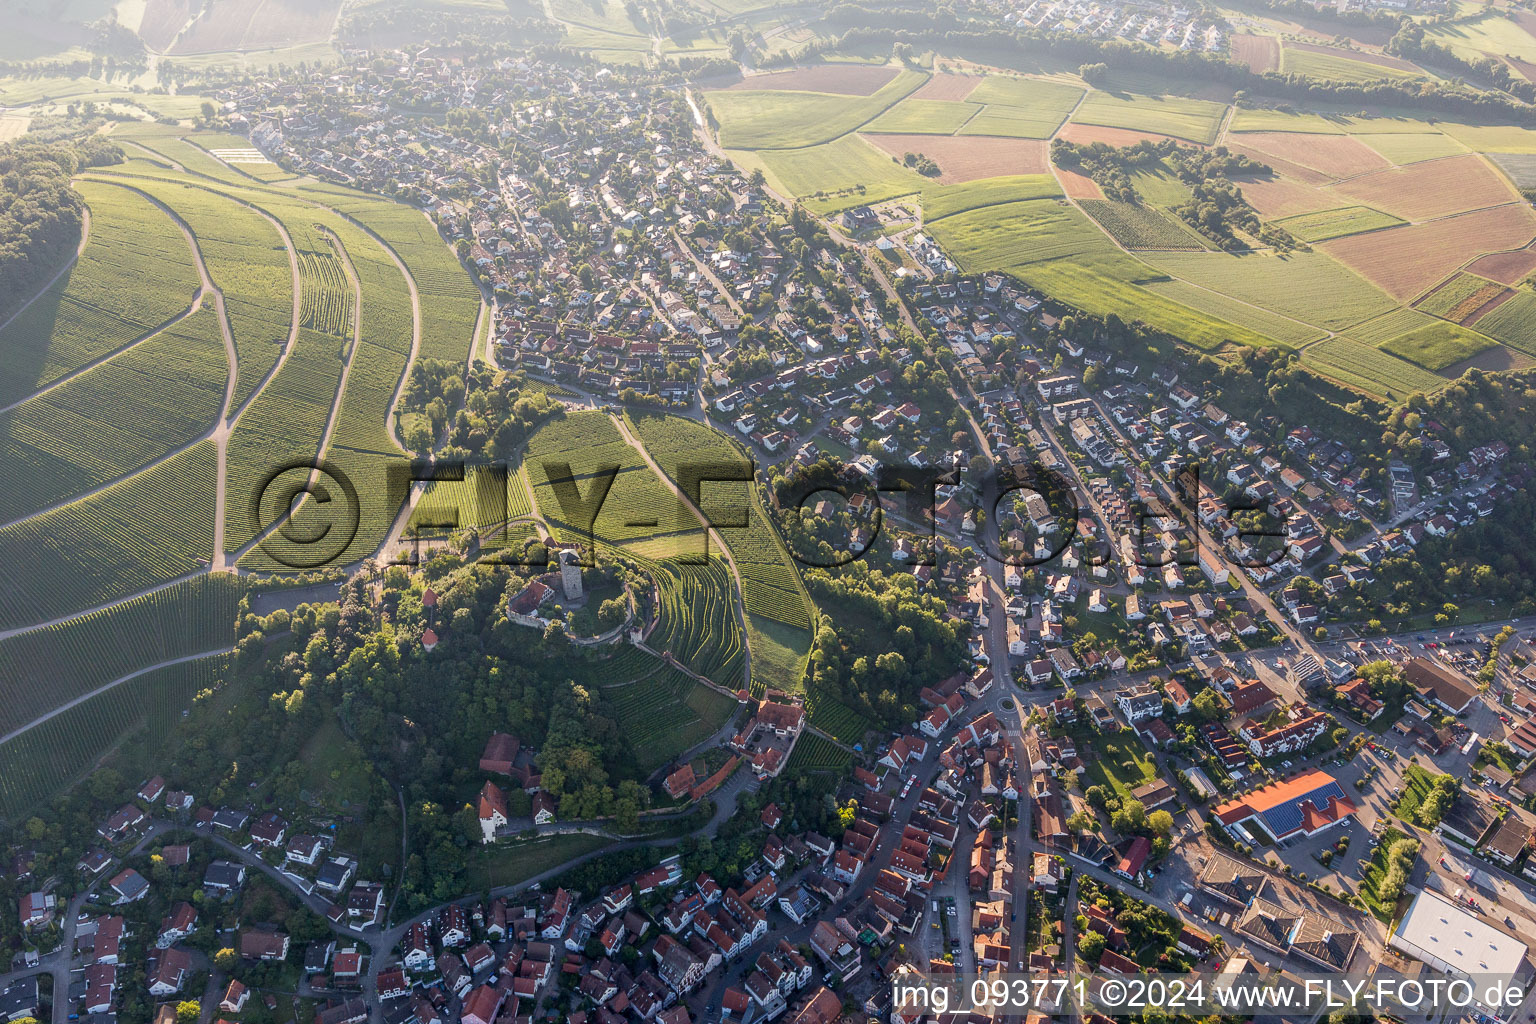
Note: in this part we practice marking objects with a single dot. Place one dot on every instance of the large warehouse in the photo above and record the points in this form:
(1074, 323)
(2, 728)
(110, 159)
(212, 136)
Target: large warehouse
(1455, 942)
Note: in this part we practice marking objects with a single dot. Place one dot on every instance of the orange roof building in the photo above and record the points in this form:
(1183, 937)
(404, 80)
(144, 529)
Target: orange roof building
(1304, 805)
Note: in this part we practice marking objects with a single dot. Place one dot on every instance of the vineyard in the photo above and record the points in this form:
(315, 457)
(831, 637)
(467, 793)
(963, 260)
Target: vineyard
(43, 761)
(836, 718)
(698, 619)
(814, 753)
(1137, 226)
(326, 303)
(665, 713)
(105, 300)
(89, 651)
(247, 261)
(147, 530)
(116, 417)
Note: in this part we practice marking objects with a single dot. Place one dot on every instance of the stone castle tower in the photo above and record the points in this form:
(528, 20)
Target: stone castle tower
(570, 574)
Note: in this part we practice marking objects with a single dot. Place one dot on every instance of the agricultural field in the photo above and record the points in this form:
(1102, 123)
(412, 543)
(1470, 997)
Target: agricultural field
(837, 719)
(1340, 65)
(43, 761)
(1431, 188)
(83, 654)
(1024, 108)
(1369, 368)
(839, 79)
(698, 618)
(1521, 167)
(1190, 119)
(1404, 261)
(1326, 224)
(1338, 156)
(1405, 148)
(1390, 325)
(1272, 325)
(119, 415)
(1513, 323)
(813, 753)
(836, 175)
(946, 200)
(1275, 197)
(1305, 286)
(772, 119)
(1491, 33)
(963, 159)
(232, 27)
(1259, 53)
(1438, 345)
(924, 117)
(1137, 226)
(1461, 298)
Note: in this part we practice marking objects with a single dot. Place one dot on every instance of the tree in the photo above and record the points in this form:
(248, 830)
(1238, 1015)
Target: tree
(224, 959)
(1160, 822)
(1094, 74)
(187, 1011)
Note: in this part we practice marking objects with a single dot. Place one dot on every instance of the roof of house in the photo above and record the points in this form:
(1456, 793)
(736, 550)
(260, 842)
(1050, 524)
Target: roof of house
(1309, 800)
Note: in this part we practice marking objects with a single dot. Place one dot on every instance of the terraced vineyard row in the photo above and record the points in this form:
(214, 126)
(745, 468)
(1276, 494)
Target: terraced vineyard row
(281, 428)
(150, 529)
(45, 760)
(836, 718)
(478, 500)
(449, 303)
(116, 417)
(247, 261)
(326, 297)
(89, 651)
(104, 301)
(813, 753)
(667, 713)
(698, 619)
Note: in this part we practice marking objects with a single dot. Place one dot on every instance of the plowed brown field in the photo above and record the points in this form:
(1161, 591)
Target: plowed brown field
(1404, 261)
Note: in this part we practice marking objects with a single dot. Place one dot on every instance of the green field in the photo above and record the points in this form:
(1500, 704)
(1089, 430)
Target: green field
(1369, 368)
(946, 200)
(924, 117)
(1138, 226)
(1018, 233)
(1160, 187)
(1119, 765)
(1492, 138)
(1487, 34)
(1022, 108)
(1272, 325)
(1410, 148)
(1195, 120)
(1513, 323)
(1438, 345)
(1389, 325)
(769, 119)
(835, 175)
(1309, 287)
(1442, 302)
(813, 753)
(1329, 122)
(1326, 224)
(1335, 67)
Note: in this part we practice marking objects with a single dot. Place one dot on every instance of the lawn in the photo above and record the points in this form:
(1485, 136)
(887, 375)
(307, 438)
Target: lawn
(1417, 784)
(947, 200)
(768, 119)
(1376, 872)
(1439, 345)
(1326, 224)
(1307, 286)
(1119, 763)
(512, 863)
(924, 117)
(1195, 120)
